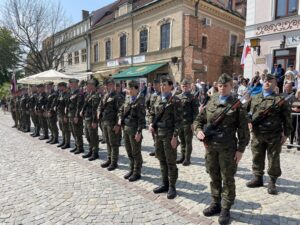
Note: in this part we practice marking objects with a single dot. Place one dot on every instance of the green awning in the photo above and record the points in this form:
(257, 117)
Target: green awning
(137, 71)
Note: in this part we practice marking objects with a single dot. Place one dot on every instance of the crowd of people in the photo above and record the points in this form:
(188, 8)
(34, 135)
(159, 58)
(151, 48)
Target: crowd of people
(173, 113)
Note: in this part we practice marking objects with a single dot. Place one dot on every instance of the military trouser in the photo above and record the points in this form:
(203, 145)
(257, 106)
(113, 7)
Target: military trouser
(101, 128)
(221, 167)
(25, 119)
(18, 118)
(91, 135)
(14, 116)
(296, 130)
(270, 146)
(167, 159)
(43, 123)
(186, 138)
(133, 150)
(77, 132)
(112, 142)
(35, 121)
(65, 129)
(52, 124)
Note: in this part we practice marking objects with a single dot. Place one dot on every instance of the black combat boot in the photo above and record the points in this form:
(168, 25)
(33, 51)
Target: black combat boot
(127, 175)
(33, 134)
(61, 144)
(187, 161)
(112, 166)
(224, 217)
(213, 209)
(78, 151)
(161, 189)
(50, 140)
(94, 156)
(257, 181)
(272, 187)
(88, 155)
(106, 164)
(152, 153)
(73, 150)
(54, 141)
(179, 161)
(134, 177)
(44, 137)
(67, 145)
(171, 192)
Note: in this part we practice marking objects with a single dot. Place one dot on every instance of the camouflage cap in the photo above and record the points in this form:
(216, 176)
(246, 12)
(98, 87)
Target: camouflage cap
(73, 80)
(185, 82)
(109, 80)
(166, 79)
(49, 83)
(93, 82)
(270, 77)
(133, 84)
(62, 84)
(224, 78)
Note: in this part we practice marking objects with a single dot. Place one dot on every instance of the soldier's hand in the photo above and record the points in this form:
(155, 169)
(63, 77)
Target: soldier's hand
(200, 135)
(151, 129)
(76, 120)
(283, 139)
(116, 129)
(94, 125)
(238, 156)
(138, 137)
(174, 142)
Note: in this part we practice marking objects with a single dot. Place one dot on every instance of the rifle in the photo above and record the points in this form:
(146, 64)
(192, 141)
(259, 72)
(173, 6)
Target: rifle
(126, 114)
(162, 111)
(263, 115)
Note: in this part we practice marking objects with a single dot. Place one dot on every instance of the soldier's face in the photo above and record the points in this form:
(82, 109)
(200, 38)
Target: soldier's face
(224, 89)
(157, 86)
(269, 85)
(90, 88)
(165, 87)
(132, 91)
(73, 85)
(186, 87)
(110, 87)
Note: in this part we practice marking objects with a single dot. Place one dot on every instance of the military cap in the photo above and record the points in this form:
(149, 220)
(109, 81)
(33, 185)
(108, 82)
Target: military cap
(185, 82)
(93, 82)
(270, 77)
(109, 80)
(166, 79)
(40, 85)
(224, 78)
(49, 83)
(133, 84)
(73, 80)
(62, 84)
(156, 81)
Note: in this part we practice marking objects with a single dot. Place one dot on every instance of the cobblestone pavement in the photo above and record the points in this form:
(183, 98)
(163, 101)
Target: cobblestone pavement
(41, 184)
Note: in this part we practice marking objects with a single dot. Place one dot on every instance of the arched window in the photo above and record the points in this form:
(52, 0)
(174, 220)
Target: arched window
(165, 36)
(143, 41)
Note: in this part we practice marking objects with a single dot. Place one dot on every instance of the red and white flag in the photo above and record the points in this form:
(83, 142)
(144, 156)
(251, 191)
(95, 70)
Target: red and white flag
(246, 51)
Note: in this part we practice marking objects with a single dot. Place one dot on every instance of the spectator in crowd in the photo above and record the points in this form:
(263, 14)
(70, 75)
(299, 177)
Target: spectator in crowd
(295, 121)
(263, 76)
(278, 71)
(297, 82)
(213, 89)
(255, 86)
(289, 78)
(242, 88)
(287, 90)
(292, 68)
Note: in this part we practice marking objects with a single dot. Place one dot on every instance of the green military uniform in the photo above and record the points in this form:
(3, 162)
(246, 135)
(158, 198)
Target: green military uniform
(108, 111)
(167, 127)
(25, 115)
(89, 112)
(62, 117)
(150, 100)
(221, 149)
(34, 117)
(51, 115)
(266, 139)
(19, 110)
(190, 109)
(12, 104)
(74, 108)
(40, 110)
(132, 116)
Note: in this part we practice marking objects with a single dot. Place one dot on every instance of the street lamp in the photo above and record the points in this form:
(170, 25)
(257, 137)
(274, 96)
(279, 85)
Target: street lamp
(255, 44)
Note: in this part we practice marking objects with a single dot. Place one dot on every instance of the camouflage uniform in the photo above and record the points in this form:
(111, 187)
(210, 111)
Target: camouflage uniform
(12, 104)
(18, 110)
(108, 112)
(74, 108)
(40, 110)
(52, 116)
(132, 115)
(62, 117)
(34, 117)
(266, 139)
(25, 116)
(189, 112)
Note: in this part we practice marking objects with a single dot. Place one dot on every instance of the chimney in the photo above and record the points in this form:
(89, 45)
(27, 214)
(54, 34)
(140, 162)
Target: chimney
(85, 14)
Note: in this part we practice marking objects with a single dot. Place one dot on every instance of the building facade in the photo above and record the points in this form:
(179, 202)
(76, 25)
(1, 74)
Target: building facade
(276, 32)
(160, 37)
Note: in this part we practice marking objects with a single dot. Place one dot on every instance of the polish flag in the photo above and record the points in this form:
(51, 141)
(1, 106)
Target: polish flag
(246, 51)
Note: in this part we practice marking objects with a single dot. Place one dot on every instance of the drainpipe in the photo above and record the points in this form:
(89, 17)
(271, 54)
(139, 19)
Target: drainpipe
(132, 35)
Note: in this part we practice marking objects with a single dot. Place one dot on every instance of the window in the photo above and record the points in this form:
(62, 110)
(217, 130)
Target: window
(204, 42)
(165, 36)
(286, 8)
(83, 55)
(108, 50)
(70, 60)
(96, 52)
(76, 57)
(233, 45)
(123, 45)
(143, 41)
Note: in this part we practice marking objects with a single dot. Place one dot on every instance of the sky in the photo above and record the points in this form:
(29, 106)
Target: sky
(73, 7)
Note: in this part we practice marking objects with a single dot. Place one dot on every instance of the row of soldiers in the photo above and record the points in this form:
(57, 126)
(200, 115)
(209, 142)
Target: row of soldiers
(171, 116)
